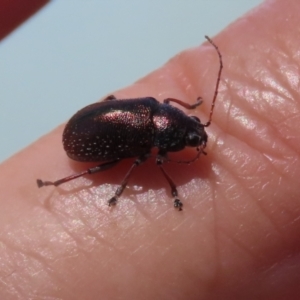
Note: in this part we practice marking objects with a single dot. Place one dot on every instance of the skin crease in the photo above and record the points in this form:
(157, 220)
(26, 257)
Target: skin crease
(238, 234)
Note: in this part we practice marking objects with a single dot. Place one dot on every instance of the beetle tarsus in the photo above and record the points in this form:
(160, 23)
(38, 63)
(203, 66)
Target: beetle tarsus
(41, 183)
(184, 104)
(178, 204)
(199, 101)
(112, 201)
(109, 98)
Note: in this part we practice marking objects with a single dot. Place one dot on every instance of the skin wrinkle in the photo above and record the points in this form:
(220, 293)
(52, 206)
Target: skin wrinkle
(233, 211)
(286, 57)
(276, 101)
(162, 214)
(289, 117)
(180, 224)
(206, 194)
(242, 246)
(216, 232)
(247, 191)
(101, 240)
(10, 286)
(238, 178)
(293, 154)
(273, 90)
(67, 281)
(255, 83)
(140, 212)
(283, 88)
(91, 232)
(91, 213)
(136, 229)
(144, 248)
(129, 232)
(57, 276)
(53, 277)
(272, 221)
(260, 125)
(78, 243)
(36, 258)
(260, 101)
(36, 254)
(282, 174)
(68, 231)
(11, 290)
(295, 220)
(292, 78)
(216, 246)
(143, 201)
(139, 207)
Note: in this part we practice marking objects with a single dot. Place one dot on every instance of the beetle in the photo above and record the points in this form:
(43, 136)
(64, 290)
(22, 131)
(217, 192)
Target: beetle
(113, 130)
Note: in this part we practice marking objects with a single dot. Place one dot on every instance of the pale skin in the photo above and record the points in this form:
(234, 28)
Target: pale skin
(238, 234)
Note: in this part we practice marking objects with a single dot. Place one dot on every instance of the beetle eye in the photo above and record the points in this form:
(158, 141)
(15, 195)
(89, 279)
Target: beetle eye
(195, 118)
(193, 139)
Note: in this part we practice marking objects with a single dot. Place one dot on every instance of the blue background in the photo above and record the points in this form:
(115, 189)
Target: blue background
(72, 53)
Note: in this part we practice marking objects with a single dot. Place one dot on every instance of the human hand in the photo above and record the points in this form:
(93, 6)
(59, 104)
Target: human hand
(237, 236)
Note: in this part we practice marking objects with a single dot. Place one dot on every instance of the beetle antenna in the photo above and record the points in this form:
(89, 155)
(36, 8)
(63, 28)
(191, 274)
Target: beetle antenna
(218, 81)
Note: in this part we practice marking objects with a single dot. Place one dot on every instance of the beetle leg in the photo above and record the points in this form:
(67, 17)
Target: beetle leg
(199, 100)
(123, 185)
(184, 104)
(93, 170)
(109, 98)
(177, 203)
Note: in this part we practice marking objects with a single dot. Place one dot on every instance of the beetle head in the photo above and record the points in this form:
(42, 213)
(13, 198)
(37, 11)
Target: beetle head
(196, 135)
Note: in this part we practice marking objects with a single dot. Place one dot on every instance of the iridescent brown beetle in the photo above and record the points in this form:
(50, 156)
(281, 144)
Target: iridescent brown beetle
(113, 130)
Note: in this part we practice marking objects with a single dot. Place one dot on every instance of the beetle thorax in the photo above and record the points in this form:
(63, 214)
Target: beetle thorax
(174, 130)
